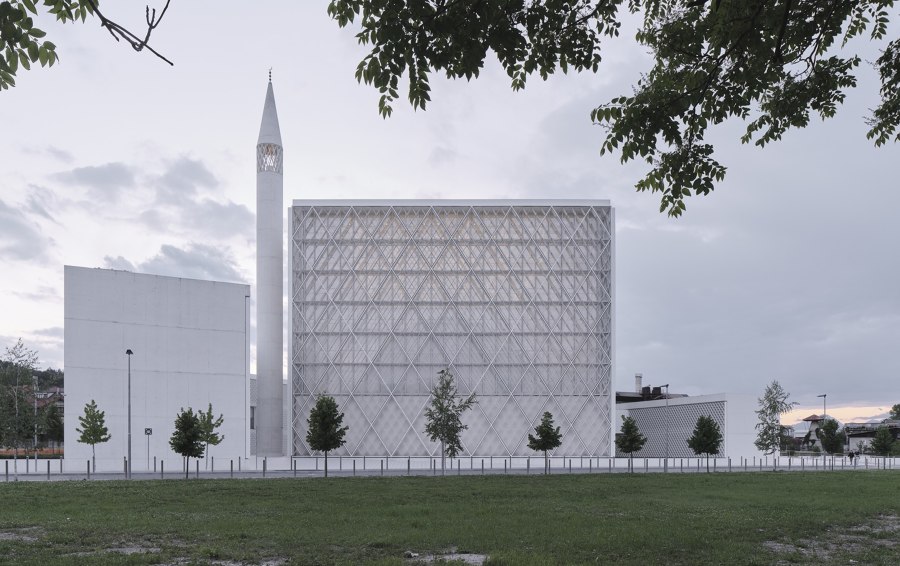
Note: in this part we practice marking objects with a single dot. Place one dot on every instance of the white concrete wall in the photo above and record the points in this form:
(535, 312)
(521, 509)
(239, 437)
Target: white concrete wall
(190, 340)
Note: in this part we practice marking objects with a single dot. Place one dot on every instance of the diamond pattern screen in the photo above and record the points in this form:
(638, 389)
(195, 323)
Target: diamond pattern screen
(516, 300)
(680, 420)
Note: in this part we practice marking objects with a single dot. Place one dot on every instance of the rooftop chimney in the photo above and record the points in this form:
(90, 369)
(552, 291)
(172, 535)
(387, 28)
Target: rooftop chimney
(638, 380)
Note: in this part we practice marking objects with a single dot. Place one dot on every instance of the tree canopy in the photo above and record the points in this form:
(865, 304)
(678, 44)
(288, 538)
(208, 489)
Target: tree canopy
(630, 439)
(706, 439)
(93, 429)
(187, 439)
(325, 432)
(22, 44)
(546, 437)
(895, 412)
(883, 441)
(443, 416)
(209, 423)
(832, 436)
(772, 64)
(772, 405)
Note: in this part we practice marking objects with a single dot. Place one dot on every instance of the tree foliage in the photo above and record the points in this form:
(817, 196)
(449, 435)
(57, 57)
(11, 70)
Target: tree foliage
(895, 413)
(545, 438)
(443, 415)
(208, 425)
(772, 64)
(706, 439)
(54, 431)
(187, 439)
(630, 439)
(772, 405)
(22, 44)
(325, 432)
(831, 436)
(93, 429)
(883, 441)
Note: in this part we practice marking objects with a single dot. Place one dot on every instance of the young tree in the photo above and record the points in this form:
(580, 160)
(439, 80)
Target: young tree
(769, 63)
(93, 429)
(187, 439)
(325, 431)
(16, 414)
(895, 413)
(630, 440)
(883, 441)
(772, 405)
(707, 438)
(208, 426)
(547, 438)
(832, 437)
(443, 416)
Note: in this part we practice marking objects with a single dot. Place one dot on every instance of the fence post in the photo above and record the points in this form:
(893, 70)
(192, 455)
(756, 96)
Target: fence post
(212, 464)
(231, 468)
(354, 467)
(570, 465)
(162, 469)
(504, 465)
(7, 470)
(590, 465)
(482, 466)
(48, 470)
(88, 469)
(125, 466)
(729, 463)
(610, 460)
(197, 475)
(266, 461)
(407, 465)
(294, 466)
(382, 467)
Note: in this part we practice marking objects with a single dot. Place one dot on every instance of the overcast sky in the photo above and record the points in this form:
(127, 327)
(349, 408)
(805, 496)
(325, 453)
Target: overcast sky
(788, 271)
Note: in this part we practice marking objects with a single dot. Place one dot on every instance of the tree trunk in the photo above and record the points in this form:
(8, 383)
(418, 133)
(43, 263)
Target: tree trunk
(707, 462)
(442, 458)
(187, 467)
(326, 463)
(546, 464)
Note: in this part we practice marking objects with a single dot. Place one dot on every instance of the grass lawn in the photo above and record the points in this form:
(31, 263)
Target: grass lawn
(724, 518)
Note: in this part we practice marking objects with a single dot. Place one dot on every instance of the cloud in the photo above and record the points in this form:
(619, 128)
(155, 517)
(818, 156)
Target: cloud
(195, 261)
(181, 179)
(118, 262)
(218, 219)
(102, 181)
(42, 294)
(52, 151)
(52, 332)
(20, 238)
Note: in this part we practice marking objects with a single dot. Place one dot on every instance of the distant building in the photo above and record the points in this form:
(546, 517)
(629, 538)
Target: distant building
(860, 435)
(668, 420)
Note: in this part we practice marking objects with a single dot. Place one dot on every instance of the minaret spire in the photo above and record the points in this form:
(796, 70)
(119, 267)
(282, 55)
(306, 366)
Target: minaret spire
(269, 286)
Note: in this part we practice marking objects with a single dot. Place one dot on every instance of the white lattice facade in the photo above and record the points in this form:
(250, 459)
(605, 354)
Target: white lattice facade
(516, 297)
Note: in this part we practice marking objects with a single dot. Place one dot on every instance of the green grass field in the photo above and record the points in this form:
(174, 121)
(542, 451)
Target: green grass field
(737, 518)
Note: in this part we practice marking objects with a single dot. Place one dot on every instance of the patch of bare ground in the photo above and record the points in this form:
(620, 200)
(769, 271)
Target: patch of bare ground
(844, 546)
(24, 534)
(451, 556)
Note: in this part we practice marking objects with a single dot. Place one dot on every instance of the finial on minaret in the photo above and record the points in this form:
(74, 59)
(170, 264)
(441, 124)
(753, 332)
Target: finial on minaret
(270, 74)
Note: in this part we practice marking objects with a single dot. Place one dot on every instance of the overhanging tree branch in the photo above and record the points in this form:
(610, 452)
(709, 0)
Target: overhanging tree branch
(119, 32)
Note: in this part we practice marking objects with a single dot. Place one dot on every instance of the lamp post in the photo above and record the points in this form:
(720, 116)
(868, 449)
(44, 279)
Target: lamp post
(666, 465)
(129, 353)
(34, 397)
(824, 410)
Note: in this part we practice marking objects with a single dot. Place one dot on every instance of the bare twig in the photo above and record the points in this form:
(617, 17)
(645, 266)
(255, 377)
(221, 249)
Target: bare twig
(119, 32)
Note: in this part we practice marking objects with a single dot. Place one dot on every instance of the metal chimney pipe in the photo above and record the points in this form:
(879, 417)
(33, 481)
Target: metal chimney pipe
(638, 382)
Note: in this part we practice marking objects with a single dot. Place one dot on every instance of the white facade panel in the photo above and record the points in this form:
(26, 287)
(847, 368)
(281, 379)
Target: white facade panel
(515, 297)
(190, 344)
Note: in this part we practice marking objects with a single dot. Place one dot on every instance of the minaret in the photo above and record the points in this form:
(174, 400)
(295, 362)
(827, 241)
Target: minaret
(269, 286)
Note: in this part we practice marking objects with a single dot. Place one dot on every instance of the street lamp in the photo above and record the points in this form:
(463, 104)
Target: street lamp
(666, 465)
(34, 396)
(824, 411)
(128, 470)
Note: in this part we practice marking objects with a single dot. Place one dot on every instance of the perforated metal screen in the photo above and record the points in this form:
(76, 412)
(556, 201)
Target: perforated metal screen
(516, 300)
(680, 421)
